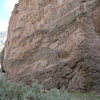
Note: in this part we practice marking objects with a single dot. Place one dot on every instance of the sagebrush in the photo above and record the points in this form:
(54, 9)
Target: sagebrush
(14, 91)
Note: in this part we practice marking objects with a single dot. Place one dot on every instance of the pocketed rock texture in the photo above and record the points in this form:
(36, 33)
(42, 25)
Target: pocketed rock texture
(54, 43)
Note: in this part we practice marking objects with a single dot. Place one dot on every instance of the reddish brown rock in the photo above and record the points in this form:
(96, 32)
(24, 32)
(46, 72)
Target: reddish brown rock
(55, 43)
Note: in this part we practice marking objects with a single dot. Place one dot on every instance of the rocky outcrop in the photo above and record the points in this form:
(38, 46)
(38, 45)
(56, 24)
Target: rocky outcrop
(55, 43)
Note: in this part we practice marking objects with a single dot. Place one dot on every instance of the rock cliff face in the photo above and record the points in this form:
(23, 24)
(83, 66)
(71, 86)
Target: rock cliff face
(55, 43)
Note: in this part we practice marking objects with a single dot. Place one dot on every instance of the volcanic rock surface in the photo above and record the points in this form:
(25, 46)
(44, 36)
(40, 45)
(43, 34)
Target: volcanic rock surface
(54, 43)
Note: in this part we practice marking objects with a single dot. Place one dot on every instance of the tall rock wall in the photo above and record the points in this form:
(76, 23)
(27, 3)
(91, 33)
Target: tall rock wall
(54, 43)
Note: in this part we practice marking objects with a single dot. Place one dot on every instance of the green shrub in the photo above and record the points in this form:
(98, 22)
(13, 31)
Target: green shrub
(14, 91)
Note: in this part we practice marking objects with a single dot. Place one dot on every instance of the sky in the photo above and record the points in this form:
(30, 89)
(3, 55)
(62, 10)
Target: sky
(6, 7)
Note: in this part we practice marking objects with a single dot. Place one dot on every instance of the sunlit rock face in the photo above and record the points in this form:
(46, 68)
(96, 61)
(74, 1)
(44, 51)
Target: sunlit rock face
(54, 43)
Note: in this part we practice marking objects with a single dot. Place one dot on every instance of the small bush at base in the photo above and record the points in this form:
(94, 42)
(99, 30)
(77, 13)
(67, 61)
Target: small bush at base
(13, 91)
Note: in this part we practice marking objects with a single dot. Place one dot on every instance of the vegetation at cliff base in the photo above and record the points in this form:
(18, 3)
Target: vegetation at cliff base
(14, 91)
